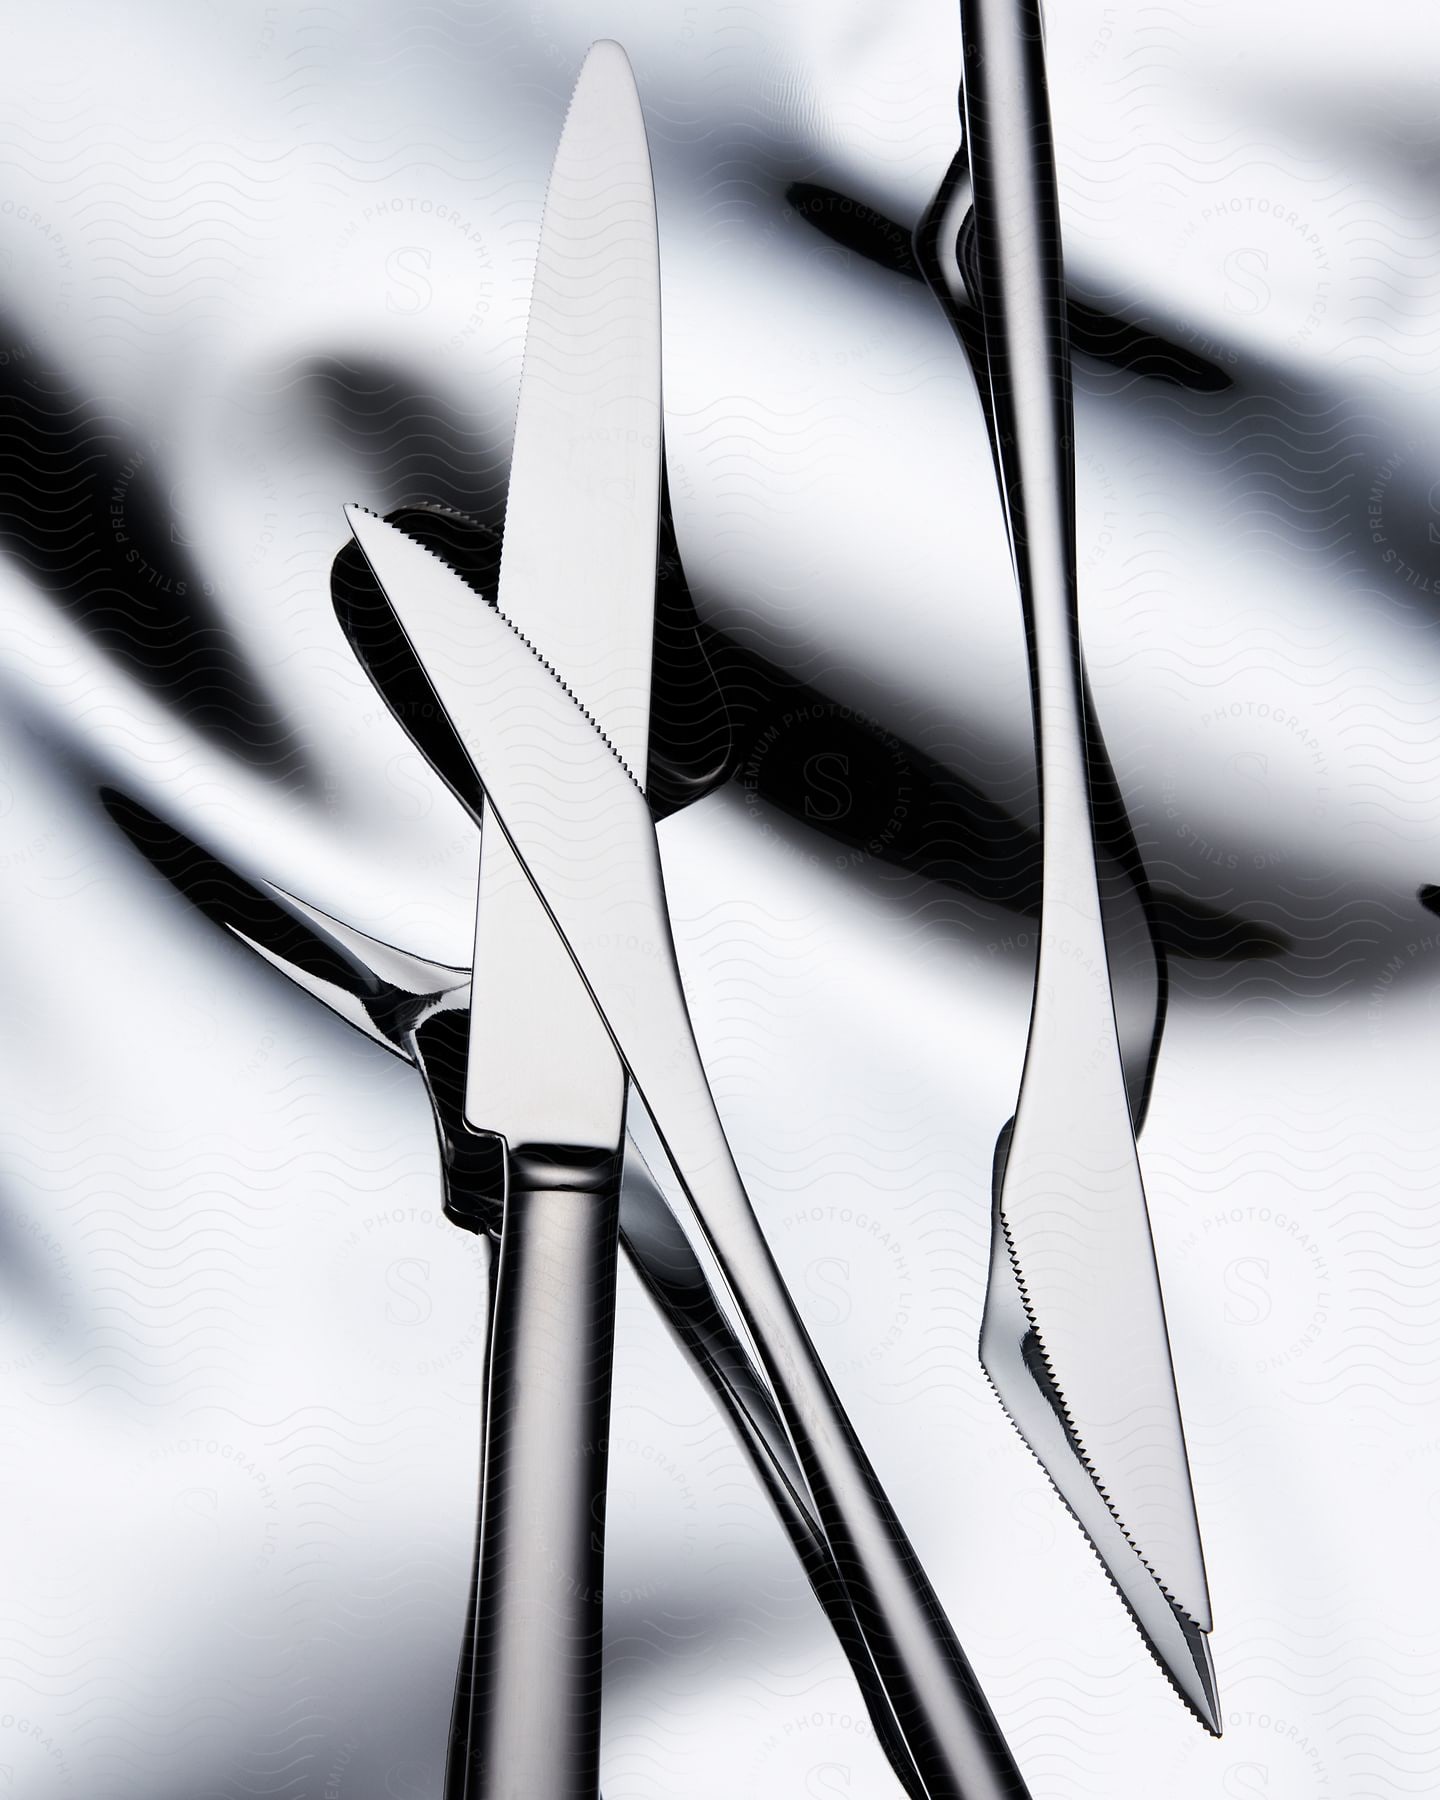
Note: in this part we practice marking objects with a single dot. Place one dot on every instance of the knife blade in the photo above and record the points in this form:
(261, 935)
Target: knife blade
(552, 781)
(578, 569)
(1074, 1336)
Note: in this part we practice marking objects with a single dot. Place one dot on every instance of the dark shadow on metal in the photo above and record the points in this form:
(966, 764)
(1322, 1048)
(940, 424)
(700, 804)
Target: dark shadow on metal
(85, 512)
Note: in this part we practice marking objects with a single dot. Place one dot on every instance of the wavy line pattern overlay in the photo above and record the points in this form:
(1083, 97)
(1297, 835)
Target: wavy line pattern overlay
(259, 260)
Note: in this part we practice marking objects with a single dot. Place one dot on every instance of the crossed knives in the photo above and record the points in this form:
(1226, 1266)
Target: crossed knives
(577, 1052)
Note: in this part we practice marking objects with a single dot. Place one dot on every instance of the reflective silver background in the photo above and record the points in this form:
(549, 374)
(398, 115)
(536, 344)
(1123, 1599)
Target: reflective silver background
(259, 260)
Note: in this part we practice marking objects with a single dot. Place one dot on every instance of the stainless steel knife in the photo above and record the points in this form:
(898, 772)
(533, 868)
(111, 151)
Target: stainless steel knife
(574, 813)
(1074, 1335)
(578, 573)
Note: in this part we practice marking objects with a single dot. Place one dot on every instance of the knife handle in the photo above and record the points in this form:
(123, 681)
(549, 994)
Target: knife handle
(654, 1240)
(526, 1724)
(940, 1708)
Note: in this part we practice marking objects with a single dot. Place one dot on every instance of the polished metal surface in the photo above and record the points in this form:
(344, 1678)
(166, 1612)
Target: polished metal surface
(393, 993)
(578, 570)
(949, 250)
(577, 575)
(389, 997)
(1008, 1348)
(1070, 1201)
(487, 1734)
(552, 782)
(528, 1695)
(258, 260)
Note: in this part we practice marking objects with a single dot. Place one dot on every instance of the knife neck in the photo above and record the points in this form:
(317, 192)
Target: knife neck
(550, 1167)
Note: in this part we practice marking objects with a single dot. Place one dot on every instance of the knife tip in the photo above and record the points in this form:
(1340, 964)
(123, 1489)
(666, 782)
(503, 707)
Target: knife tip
(604, 54)
(605, 50)
(1203, 1694)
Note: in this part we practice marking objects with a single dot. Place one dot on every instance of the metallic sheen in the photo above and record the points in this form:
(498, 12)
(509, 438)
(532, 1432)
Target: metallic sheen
(577, 575)
(578, 567)
(1074, 1335)
(552, 782)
